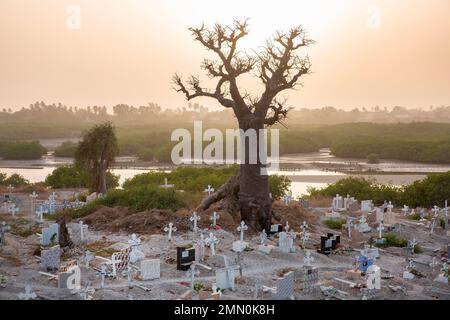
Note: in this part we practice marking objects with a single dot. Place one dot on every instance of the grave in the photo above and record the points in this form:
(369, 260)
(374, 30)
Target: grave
(136, 254)
(70, 279)
(50, 258)
(332, 215)
(28, 294)
(214, 217)
(79, 233)
(195, 218)
(285, 287)
(371, 253)
(3, 229)
(185, 257)
(329, 243)
(50, 235)
(263, 247)
(150, 269)
(373, 277)
(275, 228)
(308, 279)
(364, 263)
(241, 245)
(337, 204)
(366, 206)
(363, 226)
(170, 230)
(211, 242)
(225, 277)
(286, 242)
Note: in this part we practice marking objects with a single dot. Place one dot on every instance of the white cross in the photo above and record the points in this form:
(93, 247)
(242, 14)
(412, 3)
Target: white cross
(390, 206)
(40, 213)
(28, 294)
(263, 237)
(13, 209)
(435, 211)
(81, 230)
(33, 197)
(362, 220)
(304, 226)
(349, 227)
(308, 259)
(405, 210)
(193, 272)
(209, 190)
(411, 264)
(10, 189)
(195, 218)
(166, 185)
(211, 241)
(380, 230)
(201, 243)
(305, 237)
(170, 229)
(413, 244)
(214, 218)
(241, 229)
(286, 227)
(102, 273)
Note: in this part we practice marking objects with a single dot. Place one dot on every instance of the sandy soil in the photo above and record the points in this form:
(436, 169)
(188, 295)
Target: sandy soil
(111, 228)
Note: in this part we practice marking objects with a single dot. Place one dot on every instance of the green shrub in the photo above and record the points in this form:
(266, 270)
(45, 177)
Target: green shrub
(21, 150)
(66, 149)
(72, 176)
(392, 240)
(335, 224)
(415, 216)
(15, 180)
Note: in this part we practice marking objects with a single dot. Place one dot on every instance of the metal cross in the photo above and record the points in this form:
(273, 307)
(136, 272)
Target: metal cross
(209, 190)
(215, 216)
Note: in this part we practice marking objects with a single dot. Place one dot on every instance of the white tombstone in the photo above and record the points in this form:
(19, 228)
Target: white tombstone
(337, 203)
(150, 269)
(170, 229)
(286, 242)
(380, 229)
(136, 254)
(405, 210)
(28, 295)
(33, 197)
(215, 216)
(390, 206)
(308, 259)
(363, 226)
(13, 209)
(212, 241)
(263, 237)
(195, 218)
(366, 205)
(200, 248)
(241, 245)
(373, 277)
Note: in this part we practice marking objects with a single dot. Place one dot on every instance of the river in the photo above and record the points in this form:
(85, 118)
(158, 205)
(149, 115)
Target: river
(305, 170)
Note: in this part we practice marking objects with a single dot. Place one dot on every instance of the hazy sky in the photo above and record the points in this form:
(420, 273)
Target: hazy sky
(126, 51)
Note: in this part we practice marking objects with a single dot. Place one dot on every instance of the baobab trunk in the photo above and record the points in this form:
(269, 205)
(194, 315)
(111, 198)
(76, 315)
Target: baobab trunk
(254, 200)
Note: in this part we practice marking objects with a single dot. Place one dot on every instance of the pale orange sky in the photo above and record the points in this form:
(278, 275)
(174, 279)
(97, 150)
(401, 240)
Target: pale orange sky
(127, 50)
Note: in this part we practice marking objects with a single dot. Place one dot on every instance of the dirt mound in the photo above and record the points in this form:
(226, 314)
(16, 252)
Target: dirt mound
(146, 222)
(295, 215)
(153, 221)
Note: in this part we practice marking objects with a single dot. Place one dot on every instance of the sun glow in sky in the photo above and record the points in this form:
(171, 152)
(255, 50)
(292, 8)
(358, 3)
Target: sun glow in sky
(127, 50)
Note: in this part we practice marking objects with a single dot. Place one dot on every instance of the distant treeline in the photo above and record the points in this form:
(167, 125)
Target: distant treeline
(422, 142)
(60, 115)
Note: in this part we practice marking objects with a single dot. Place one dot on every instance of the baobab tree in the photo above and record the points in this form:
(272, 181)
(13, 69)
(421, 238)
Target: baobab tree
(279, 67)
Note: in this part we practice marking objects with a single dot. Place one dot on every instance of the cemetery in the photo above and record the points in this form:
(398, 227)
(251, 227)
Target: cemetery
(379, 252)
